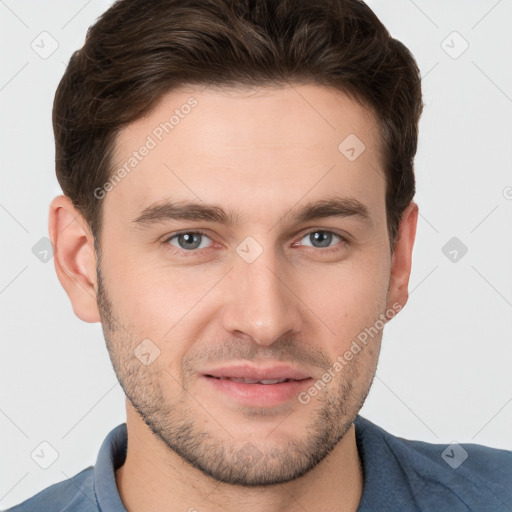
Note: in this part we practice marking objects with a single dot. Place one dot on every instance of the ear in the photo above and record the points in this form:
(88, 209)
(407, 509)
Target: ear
(74, 257)
(401, 263)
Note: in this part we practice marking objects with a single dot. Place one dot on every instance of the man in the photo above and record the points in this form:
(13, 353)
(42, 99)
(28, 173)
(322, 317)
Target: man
(239, 215)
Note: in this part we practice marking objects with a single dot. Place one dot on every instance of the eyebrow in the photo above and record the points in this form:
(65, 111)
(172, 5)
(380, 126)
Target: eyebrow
(341, 207)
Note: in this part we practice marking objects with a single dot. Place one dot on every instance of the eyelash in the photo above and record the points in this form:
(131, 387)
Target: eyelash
(194, 252)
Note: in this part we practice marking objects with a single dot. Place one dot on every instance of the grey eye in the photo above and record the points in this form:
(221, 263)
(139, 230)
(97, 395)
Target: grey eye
(188, 241)
(321, 238)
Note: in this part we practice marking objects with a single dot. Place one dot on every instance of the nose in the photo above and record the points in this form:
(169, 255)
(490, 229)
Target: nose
(261, 302)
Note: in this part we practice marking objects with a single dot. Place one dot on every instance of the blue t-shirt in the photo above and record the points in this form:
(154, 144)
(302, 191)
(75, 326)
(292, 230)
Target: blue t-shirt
(399, 475)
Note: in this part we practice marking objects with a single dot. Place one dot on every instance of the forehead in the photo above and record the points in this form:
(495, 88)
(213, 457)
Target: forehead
(256, 149)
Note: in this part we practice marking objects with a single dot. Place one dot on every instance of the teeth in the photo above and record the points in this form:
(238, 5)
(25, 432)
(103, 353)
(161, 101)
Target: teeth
(255, 381)
(246, 381)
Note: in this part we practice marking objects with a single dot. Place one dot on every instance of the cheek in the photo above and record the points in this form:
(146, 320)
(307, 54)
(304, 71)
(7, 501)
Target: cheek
(347, 298)
(158, 302)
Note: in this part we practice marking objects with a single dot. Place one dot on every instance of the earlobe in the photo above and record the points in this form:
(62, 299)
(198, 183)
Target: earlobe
(74, 257)
(402, 257)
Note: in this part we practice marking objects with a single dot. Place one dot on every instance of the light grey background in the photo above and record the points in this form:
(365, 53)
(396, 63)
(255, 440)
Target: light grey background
(444, 373)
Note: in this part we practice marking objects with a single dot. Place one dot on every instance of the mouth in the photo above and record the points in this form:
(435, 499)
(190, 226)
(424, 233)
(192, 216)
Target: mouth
(257, 386)
(255, 381)
(253, 374)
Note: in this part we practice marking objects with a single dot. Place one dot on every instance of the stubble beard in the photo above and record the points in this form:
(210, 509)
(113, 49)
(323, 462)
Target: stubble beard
(250, 463)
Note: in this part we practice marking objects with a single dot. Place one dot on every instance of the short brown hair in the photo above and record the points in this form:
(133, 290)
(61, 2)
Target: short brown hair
(139, 50)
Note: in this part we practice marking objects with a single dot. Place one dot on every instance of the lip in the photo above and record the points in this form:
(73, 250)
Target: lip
(257, 394)
(246, 371)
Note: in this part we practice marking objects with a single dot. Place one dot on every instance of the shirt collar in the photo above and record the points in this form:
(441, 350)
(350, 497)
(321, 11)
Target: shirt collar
(111, 456)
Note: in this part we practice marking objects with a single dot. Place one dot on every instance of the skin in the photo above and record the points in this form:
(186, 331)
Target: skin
(258, 153)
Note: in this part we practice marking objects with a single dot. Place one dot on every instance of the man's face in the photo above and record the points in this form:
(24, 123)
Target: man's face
(267, 296)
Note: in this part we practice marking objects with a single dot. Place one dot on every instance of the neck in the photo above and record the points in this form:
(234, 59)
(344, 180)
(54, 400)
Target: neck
(155, 478)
